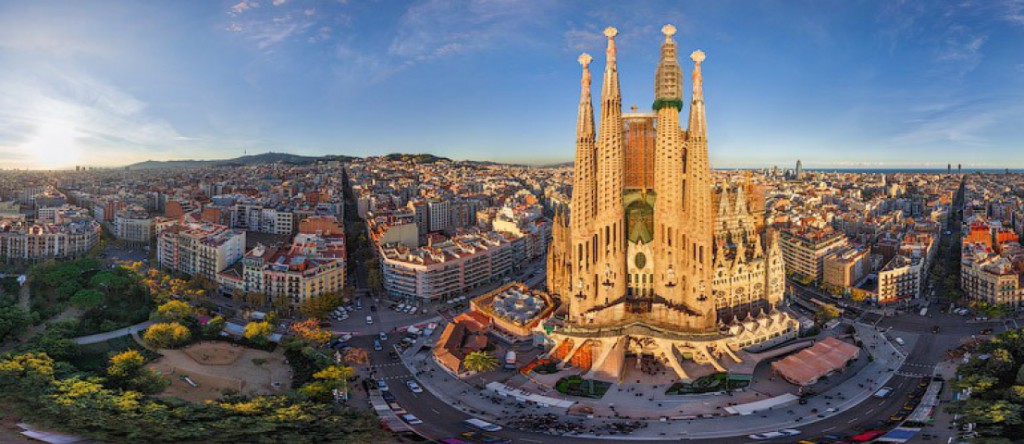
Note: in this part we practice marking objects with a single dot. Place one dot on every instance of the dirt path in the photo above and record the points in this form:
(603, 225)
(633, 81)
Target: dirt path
(33, 330)
(24, 297)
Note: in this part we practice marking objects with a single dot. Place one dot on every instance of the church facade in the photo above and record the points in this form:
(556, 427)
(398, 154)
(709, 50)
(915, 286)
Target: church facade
(652, 259)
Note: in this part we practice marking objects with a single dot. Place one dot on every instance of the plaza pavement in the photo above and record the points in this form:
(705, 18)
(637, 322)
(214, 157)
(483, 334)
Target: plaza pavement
(844, 396)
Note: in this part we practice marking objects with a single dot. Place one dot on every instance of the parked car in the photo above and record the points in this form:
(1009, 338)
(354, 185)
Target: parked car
(377, 346)
(369, 320)
(413, 386)
(383, 336)
(411, 419)
(383, 385)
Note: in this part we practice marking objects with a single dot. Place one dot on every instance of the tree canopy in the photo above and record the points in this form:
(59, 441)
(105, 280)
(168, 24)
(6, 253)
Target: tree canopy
(167, 335)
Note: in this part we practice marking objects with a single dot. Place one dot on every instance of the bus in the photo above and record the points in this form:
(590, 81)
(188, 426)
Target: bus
(480, 424)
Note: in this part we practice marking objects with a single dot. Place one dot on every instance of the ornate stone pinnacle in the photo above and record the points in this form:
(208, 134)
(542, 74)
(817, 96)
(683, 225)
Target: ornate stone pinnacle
(669, 31)
(611, 32)
(585, 59)
(697, 56)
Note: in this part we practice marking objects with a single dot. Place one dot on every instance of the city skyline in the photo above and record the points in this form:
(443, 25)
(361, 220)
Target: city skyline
(905, 85)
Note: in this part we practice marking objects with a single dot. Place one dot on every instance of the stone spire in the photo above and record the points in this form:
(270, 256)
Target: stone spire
(668, 78)
(610, 218)
(698, 119)
(698, 186)
(671, 278)
(584, 199)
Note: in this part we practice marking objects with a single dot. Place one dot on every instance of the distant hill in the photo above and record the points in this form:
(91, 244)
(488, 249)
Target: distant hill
(415, 158)
(255, 159)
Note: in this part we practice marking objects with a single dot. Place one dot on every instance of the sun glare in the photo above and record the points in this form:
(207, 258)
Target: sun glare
(54, 146)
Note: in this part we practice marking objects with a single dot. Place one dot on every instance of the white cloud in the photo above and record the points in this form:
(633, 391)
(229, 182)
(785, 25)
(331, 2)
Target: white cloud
(242, 6)
(279, 2)
(438, 28)
(100, 116)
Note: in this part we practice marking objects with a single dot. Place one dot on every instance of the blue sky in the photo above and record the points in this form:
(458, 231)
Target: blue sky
(834, 83)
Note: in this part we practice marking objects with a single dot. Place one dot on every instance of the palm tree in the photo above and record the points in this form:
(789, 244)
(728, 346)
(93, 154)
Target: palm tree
(480, 361)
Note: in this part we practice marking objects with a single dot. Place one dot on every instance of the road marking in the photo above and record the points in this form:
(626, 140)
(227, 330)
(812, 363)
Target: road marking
(830, 428)
(435, 411)
(530, 440)
(869, 412)
(852, 420)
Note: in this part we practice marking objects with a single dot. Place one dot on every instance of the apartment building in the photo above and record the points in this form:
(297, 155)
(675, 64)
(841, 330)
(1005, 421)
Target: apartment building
(804, 249)
(72, 232)
(846, 267)
(446, 269)
(133, 224)
(202, 249)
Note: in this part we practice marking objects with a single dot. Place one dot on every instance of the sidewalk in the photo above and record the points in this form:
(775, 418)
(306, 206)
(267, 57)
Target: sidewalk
(101, 337)
(845, 396)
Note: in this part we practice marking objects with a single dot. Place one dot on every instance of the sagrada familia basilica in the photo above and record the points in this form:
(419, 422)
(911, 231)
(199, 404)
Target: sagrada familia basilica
(654, 260)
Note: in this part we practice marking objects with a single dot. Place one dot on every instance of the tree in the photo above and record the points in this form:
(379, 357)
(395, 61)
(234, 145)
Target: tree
(12, 320)
(357, 356)
(1020, 375)
(280, 302)
(174, 311)
(480, 361)
(826, 313)
(319, 307)
(978, 383)
(999, 362)
(127, 371)
(126, 365)
(166, 335)
(258, 332)
(374, 280)
(335, 377)
(992, 412)
(26, 376)
(86, 299)
(255, 299)
(310, 331)
(1016, 393)
(214, 326)
(238, 297)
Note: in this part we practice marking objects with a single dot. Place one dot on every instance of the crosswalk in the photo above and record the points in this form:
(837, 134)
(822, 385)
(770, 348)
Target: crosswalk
(390, 364)
(916, 370)
(394, 377)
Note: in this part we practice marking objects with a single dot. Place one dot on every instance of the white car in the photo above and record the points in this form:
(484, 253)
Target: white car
(383, 385)
(410, 309)
(401, 307)
(411, 419)
(774, 435)
(413, 386)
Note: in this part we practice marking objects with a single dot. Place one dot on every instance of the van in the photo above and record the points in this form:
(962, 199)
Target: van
(480, 424)
(369, 320)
